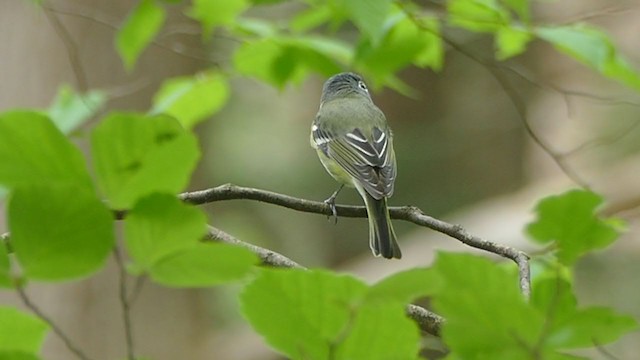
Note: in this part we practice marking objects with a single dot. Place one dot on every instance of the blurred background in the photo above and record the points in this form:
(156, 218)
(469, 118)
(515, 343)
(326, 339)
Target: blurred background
(462, 149)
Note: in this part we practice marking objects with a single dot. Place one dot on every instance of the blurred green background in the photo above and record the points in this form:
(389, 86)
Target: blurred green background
(463, 155)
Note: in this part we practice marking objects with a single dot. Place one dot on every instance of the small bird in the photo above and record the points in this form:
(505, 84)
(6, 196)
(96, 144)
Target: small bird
(355, 146)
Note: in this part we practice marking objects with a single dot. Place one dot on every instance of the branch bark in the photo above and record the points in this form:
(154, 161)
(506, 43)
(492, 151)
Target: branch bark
(407, 213)
(428, 321)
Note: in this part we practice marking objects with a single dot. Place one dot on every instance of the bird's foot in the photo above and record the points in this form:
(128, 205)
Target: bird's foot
(331, 201)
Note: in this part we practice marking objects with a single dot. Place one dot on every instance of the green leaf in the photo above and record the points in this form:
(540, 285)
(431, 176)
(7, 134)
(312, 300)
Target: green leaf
(566, 326)
(280, 60)
(594, 326)
(569, 219)
(520, 7)
(70, 110)
(487, 317)
(34, 151)
(511, 41)
(405, 43)
(301, 313)
(204, 265)
(593, 48)
(369, 16)
(432, 54)
(59, 232)
(182, 97)
(139, 29)
(212, 13)
(17, 355)
(478, 15)
(266, 2)
(381, 331)
(20, 332)
(137, 155)
(5, 267)
(160, 225)
(310, 18)
(404, 287)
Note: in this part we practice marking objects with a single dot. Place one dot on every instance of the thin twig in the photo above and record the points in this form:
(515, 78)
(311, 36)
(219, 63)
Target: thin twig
(407, 213)
(521, 109)
(268, 257)
(72, 49)
(77, 13)
(56, 329)
(603, 351)
(514, 97)
(428, 321)
(137, 289)
(124, 303)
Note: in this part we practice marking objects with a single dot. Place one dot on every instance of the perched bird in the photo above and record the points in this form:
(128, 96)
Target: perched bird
(355, 146)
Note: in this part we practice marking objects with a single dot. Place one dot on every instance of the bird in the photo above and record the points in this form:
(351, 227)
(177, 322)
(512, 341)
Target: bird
(355, 146)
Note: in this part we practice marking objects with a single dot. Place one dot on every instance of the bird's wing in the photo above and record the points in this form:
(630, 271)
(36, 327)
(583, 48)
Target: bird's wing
(370, 160)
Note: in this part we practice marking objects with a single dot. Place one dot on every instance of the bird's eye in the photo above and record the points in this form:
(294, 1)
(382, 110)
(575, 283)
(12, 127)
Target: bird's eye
(362, 85)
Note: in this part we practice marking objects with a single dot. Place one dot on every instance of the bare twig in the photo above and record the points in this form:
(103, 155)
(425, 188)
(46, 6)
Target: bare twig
(56, 329)
(267, 256)
(407, 213)
(124, 303)
(428, 321)
(72, 48)
(603, 351)
(521, 109)
(111, 25)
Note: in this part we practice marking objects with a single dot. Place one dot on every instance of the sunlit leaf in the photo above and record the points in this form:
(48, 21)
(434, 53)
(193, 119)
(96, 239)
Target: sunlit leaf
(593, 48)
(380, 331)
(404, 44)
(369, 16)
(487, 316)
(520, 7)
(511, 41)
(59, 232)
(404, 287)
(299, 312)
(34, 151)
(204, 265)
(191, 99)
(477, 15)
(5, 267)
(569, 219)
(136, 155)
(139, 29)
(21, 332)
(69, 110)
(160, 225)
(212, 13)
(568, 327)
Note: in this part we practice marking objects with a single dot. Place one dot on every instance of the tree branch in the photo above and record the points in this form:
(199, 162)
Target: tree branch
(56, 329)
(407, 213)
(124, 303)
(428, 321)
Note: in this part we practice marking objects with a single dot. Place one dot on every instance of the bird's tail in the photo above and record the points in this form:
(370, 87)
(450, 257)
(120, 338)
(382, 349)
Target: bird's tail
(382, 238)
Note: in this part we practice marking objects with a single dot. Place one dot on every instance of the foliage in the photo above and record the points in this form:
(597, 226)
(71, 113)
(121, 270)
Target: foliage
(62, 230)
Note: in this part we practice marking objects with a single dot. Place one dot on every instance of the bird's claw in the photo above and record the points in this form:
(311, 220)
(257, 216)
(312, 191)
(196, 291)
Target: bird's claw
(331, 201)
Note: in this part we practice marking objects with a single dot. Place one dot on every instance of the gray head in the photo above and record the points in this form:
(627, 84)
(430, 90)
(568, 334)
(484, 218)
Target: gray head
(345, 84)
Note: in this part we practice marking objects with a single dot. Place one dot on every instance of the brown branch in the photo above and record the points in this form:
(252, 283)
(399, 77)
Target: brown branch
(111, 25)
(124, 303)
(521, 108)
(56, 329)
(406, 213)
(428, 321)
(72, 49)
(493, 68)
(267, 256)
